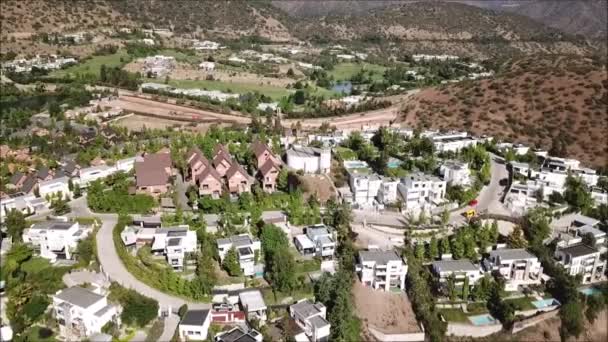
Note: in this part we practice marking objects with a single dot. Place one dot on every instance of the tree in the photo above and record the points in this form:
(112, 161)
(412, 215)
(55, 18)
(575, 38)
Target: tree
(419, 250)
(572, 323)
(465, 288)
(445, 246)
(290, 73)
(283, 179)
(281, 270)
(451, 287)
(299, 97)
(516, 239)
(15, 224)
(595, 304)
(433, 248)
(457, 247)
(577, 195)
(85, 251)
(231, 263)
(445, 217)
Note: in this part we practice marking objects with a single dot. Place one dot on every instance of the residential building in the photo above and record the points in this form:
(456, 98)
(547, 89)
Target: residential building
(583, 260)
(263, 153)
(238, 334)
(311, 318)
(55, 239)
(197, 163)
(55, 187)
(388, 190)
(318, 240)
(364, 183)
(253, 304)
(309, 159)
(522, 169)
(153, 173)
(82, 313)
(16, 180)
(459, 269)
(245, 247)
(517, 266)
(222, 160)
(174, 243)
(522, 197)
(380, 269)
(137, 236)
(19, 202)
(268, 174)
(158, 66)
(238, 180)
(194, 325)
(455, 173)
(452, 142)
(209, 183)
(207, 66)
(93, 173)
(30, 183)
(421, 192)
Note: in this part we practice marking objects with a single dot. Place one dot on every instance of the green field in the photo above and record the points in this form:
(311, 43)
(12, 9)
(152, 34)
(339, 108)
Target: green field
(344, 71)
(181, 57)
(523, 303)
(93, 64)
(240, 88)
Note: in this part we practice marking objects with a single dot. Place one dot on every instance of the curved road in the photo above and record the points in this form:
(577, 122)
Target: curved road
(113, 267)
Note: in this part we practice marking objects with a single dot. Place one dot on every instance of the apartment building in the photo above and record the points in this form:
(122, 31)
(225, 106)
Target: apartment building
(174, 243)
(194, 326)
(583, 260)
(82, 313)
(318, 240)
(380, 269)
(245, 247)
(459, 269)
(311, 318)
(421, 192)
(518, 266)
(55, 239)
(455, 173)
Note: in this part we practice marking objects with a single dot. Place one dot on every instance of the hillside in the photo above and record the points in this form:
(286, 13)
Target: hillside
(441, 27)
(228, 18)
(537, 101)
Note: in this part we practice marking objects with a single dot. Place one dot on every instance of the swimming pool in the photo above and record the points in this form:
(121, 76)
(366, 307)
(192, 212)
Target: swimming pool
(541, 304)
(485, 319)
(590, 291)
(355, 164)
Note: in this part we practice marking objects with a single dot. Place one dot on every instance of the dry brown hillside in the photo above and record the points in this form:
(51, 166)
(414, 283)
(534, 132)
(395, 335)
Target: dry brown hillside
(537, 101)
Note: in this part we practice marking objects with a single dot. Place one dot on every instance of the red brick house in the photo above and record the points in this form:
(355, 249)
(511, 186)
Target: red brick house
(268, 174)
(238, 180)
(153, 174)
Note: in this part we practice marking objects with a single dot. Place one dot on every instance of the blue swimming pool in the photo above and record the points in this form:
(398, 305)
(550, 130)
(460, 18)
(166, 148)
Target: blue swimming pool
(541, 304)
(485, 319)
(590, 291)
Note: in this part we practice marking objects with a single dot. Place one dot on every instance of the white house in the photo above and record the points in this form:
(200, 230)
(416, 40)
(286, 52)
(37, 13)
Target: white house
(26, 204)
(382, 269)
(455, 172)
(126, 164)
(452, 142)
(364, 184)
(421, 192)
(523, 169)
(207, 66)
(319, 240)
(580, 259)
(311, 318)
(174, 243)
(522, 197)
(55, 187)
(82, 313)
(309, 159)
(518, 266)
(245, 247)
(459, 269)
(56, 239)
(90, 174)
(253, 304)
(195, 325)
(388, 190)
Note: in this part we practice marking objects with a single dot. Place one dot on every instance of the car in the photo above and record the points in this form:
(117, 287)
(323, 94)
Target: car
(223, 307)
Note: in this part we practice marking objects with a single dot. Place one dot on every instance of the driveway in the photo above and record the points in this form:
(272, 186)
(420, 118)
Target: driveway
(113, 267)
(181, 188)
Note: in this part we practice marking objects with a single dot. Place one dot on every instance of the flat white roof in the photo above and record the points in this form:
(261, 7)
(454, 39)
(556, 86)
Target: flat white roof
(304, 241)
(252, 300)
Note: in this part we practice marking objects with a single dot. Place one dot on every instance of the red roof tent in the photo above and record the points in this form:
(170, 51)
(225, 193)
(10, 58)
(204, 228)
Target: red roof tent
(473, 203)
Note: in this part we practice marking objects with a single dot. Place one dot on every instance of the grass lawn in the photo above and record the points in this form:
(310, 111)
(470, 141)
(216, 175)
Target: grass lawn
(181, 57)
(454, 315)
(269, 298)
(523, 303)
(93, 64)
(306, 266)
(346, 153)
(35, 265)
(240, 88)
(344, 71)
(477, 308)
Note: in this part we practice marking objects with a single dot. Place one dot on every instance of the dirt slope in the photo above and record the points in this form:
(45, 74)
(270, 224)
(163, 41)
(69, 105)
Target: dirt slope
(536, 101)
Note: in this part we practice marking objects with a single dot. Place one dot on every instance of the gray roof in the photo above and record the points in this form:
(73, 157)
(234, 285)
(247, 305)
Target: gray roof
(56, 225)
(195, 317)
(305, 308)
(578, 250)
(512, 254)
(236, 240)
(314, 231)
(29, 184)
(236, 335)
(79, 296)
(174, 242)
(586, 229)
(16, 178)
(103, 310)
(319, 322)
(454, 266)
(380, 257)
(301, 151)
(584, 220)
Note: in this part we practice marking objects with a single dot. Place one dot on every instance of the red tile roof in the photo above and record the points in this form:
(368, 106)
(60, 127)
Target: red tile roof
(152, 171)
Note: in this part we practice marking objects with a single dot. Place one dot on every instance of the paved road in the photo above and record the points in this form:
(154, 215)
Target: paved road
(489, 196)
(113, 266)
(169, 328)
(181, 188)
